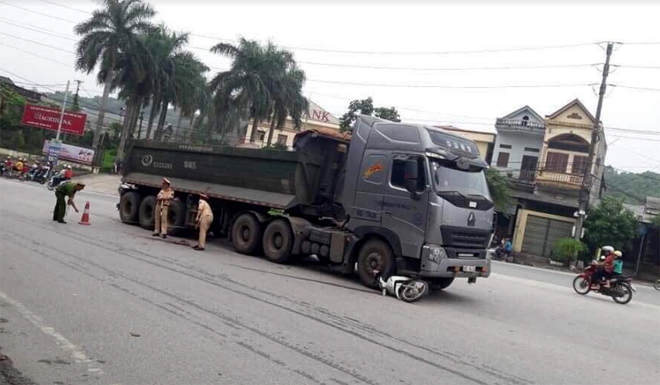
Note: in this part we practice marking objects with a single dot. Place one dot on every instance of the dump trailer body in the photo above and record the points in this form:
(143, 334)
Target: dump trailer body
(277, 179)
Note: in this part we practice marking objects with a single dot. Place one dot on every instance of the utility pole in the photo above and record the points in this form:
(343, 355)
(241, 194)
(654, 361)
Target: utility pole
(140, 127)
(76, 105)
(59, 126)
(585, 190)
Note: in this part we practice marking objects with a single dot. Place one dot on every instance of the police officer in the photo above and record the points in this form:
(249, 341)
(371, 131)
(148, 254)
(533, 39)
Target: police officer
(163, 199)
(69, 190)
(203, 220)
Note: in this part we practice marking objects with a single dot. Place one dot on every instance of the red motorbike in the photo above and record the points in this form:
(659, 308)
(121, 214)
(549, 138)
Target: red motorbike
(621, 288)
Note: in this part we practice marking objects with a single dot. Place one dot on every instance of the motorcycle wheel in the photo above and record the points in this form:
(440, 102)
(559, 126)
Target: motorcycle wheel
(656, 285)
(413, 291)
(625, 289)
(581, 285)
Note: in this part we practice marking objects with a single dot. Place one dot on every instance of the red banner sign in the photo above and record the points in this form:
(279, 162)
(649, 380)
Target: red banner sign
(49, 118)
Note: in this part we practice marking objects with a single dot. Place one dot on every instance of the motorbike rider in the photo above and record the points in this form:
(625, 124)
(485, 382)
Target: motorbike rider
(605, 268)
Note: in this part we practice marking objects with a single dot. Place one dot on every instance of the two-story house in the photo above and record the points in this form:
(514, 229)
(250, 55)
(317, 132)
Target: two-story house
(545, 160)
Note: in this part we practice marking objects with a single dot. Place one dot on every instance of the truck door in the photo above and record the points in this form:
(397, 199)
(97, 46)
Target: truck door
(404, 215)
(369, 192)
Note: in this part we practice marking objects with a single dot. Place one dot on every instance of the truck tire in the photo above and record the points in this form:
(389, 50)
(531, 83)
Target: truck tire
(375, 255)
(441, 283)
(278, 241)
(176, 218)
(147, 209)
(129, 206)
(246, 234)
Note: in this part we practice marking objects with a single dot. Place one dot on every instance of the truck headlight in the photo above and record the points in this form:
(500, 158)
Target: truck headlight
(436, 253)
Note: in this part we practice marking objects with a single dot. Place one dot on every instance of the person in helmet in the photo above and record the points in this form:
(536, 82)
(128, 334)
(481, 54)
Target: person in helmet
(618, 263)
(68, 172)
(605, 268)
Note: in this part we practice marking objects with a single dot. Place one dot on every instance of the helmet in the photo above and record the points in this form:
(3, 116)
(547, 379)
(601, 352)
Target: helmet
(69, 167)
(607, 249)
(618, 254)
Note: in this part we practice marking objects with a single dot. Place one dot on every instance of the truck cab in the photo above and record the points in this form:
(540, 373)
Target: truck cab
(423, 192)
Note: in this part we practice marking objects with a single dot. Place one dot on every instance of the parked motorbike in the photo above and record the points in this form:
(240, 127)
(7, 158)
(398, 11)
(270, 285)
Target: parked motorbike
(55, 180)
(404, 288)
(621, 288)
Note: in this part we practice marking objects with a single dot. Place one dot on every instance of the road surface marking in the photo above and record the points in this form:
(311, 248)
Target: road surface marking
(76, 353)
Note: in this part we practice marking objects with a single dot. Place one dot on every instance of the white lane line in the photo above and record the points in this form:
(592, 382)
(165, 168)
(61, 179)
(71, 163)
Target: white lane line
(74, 351)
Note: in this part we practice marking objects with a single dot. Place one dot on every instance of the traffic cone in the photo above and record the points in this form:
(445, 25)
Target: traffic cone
(85, 217)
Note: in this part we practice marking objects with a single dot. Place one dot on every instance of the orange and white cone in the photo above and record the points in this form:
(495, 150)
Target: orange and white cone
(85, 217)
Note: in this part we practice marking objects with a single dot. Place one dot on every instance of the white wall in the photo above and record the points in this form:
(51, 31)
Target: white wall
(518, 142)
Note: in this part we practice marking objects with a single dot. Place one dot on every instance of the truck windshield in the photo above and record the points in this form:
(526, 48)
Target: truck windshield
(447, 177)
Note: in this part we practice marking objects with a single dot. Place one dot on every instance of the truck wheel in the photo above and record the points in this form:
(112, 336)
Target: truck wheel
(278, 241)
(441, 283)
(176, 218)
(147, 211)
(246, 234)
(375, 255)
(129, 206)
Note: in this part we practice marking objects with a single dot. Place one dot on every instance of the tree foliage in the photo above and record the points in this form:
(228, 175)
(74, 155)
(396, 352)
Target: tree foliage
(568, 248)
(366, 107)
(499, 189)
(626, 185)
(610, 223)
(262, 80)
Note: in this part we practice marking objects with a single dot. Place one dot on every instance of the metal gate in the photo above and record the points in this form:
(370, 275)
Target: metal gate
(541, 235)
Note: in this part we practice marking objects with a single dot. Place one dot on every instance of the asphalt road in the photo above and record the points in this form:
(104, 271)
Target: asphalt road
(109, 304)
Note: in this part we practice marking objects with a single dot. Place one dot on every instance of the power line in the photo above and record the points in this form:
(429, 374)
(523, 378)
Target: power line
(636, 66)
(66, 6)
(447, 86)
(457, 52)
(35, 54)
(38, 13)
(36, 29)
(36, 42)
(635, 88)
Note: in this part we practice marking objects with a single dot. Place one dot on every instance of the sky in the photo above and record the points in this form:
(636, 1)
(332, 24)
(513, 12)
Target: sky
(458, 63)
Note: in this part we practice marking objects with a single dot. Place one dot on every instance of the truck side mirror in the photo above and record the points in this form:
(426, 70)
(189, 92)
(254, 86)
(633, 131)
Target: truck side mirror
(410, 176)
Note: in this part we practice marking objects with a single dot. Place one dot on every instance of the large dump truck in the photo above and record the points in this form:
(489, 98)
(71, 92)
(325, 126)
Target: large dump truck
(393, 197)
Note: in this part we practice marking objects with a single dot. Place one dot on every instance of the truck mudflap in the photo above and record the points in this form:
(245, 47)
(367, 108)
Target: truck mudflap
(437, 264)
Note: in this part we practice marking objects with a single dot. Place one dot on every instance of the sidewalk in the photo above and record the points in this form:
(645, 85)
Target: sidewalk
(100, 183)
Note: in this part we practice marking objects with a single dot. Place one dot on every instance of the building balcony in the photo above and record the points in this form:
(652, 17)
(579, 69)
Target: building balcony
(559, 179)
(517, 125)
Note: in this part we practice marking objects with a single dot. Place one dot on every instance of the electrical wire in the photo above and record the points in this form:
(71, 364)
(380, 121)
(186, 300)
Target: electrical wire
(447, 86)
(38, 13)
(36, 55)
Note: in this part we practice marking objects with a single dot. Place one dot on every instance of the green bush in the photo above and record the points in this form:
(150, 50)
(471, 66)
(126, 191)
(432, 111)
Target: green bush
(568, 248)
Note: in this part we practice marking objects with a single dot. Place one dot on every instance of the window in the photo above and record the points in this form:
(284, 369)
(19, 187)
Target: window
(261, 135)
(398, 173)
(281, 139)
(530, 149)
(525, 120)
(579, 164)
(556, 162)
(508, 146)
(503, 159)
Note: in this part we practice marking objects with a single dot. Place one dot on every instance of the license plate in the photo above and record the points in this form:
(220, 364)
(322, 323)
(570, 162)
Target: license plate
(469, 269)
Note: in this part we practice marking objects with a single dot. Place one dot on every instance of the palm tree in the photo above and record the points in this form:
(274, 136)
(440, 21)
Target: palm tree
(253, 78)
(135, 78)
(288, 101)
(188, 81)
(112, 29)
(163, 45)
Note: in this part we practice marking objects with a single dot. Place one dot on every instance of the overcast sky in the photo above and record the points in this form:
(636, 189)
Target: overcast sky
(316, 32)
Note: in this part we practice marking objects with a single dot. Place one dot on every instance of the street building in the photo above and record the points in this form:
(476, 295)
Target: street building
(316, 118)
(544, 159)
(484, 140)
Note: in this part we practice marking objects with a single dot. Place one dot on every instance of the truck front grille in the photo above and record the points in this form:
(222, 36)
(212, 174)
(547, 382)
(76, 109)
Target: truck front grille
(464, 238)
